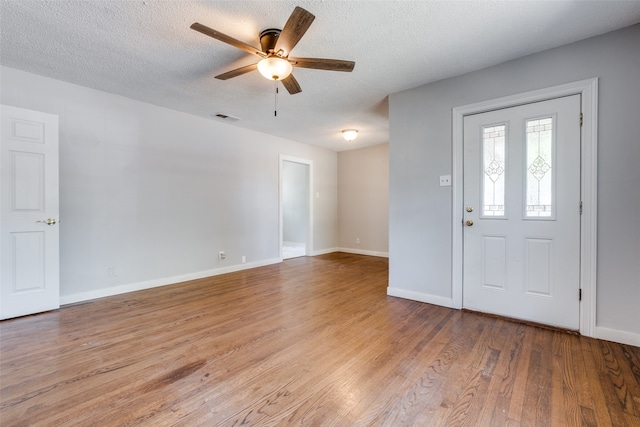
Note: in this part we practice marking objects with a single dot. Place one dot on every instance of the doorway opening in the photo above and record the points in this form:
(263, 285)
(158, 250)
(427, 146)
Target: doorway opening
(295, 207)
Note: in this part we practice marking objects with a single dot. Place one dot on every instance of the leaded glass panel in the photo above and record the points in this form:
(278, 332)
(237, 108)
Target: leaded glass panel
(539, 165)
(493, 170)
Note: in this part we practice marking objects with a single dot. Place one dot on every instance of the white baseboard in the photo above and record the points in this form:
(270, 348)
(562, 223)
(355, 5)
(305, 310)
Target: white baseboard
(324, 251)
(131, 287)
(363, 252)
(419, 296)
(350, 251)
(615, 335)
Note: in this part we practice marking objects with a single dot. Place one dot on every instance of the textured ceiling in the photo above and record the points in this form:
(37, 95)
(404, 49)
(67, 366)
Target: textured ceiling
(145, 50)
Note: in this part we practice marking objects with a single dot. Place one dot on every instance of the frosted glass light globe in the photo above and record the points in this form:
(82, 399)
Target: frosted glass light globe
(275, 68)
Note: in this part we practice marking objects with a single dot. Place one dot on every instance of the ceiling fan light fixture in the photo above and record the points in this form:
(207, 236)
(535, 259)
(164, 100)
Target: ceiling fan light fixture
(275, 68)
(350, 134)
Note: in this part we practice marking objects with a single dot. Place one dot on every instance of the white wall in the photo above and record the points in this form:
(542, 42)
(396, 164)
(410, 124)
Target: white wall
(363, 200)
(155, 193)
(421, 150)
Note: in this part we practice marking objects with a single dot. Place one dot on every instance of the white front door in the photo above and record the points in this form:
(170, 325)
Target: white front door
(521, 193)
(29, 234)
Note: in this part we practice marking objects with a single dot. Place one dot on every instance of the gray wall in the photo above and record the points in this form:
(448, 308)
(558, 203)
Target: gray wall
(295, 202)
(421, 150)
(363, 200)
(156, 193)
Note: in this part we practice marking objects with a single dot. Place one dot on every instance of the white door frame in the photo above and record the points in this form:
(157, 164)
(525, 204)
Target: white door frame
(309, 243)
(588, 89)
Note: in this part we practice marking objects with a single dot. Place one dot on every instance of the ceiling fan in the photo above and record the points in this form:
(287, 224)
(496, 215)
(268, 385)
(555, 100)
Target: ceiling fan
(276, 44)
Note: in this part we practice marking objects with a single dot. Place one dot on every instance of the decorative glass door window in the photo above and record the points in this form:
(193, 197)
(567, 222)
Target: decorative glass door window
(493, 170)
(539, 168)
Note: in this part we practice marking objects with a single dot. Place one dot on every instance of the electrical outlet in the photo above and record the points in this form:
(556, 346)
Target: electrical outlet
(244, 259)
(112, 272)
(445, 180)
(357, 240)
(222, 256)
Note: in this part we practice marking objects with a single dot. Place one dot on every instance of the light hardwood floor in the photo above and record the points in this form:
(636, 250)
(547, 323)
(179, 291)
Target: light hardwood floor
(310, 342)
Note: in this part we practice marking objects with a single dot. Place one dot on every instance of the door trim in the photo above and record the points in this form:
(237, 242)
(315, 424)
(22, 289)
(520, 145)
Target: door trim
(588, 89)
(284, 158)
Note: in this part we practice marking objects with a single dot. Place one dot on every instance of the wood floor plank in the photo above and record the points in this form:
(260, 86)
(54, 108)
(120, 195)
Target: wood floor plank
(311, 341)
(592, 394)
(424, 392)
(407, 368)
(627, 365)
(619, 399)
(537, 403)
(467, 382)
(563, 384)
(517, 403)
(368, 375)
(509, 341)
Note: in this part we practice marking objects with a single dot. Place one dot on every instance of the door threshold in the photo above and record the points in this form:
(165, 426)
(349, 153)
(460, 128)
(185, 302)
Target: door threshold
(524, 322)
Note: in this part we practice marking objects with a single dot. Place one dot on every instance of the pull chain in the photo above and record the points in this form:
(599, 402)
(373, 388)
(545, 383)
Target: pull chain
(275, 108)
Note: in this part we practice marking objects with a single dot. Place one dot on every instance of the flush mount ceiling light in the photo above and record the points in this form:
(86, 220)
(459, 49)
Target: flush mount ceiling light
(350, 134)
(275, 68)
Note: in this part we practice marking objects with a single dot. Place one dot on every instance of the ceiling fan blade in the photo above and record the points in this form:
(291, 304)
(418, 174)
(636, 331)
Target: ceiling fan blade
(237, 72)
(297, 24)
(227, 39)
(291, 84)
(323, 64)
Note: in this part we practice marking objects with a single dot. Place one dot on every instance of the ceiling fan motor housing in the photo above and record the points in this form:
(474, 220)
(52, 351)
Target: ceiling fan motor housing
(268, 39)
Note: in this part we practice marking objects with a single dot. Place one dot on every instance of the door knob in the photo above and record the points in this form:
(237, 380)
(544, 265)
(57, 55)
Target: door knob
(469, 223)
(48, 221)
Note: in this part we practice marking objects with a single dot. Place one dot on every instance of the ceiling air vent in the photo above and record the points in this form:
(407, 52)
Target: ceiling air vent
(225, 117)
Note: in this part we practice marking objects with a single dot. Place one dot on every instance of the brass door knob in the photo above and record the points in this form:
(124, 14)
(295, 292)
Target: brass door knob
(469, 223)
(48, 221)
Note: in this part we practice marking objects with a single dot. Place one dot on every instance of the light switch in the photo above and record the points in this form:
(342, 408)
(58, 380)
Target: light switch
(445, 180)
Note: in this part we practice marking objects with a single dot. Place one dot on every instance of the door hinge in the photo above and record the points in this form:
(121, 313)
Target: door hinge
(580, 295)
(580, 119)
(580, 207)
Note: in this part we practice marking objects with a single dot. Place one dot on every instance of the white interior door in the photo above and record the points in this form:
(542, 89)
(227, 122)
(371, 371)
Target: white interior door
(29, 231)
(521, 192)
